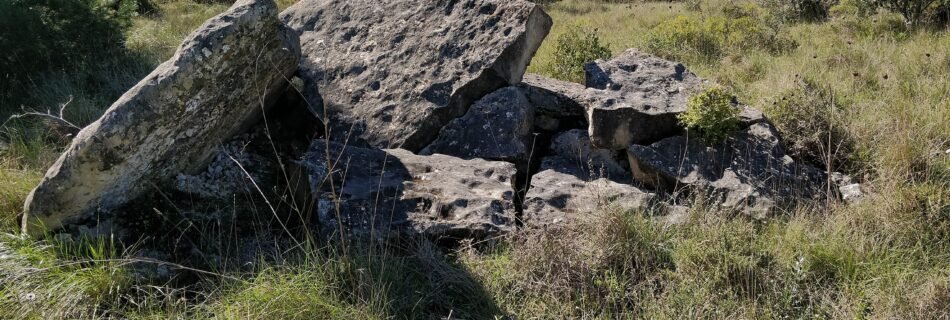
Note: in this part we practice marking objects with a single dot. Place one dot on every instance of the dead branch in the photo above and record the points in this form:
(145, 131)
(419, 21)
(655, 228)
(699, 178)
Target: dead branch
(55, 122)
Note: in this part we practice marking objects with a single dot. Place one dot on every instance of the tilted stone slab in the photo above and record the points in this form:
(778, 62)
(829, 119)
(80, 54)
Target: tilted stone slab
(173, 120)
(750, 172)
(394, 72)
(497, 127)
(638, 98)
(365, 190)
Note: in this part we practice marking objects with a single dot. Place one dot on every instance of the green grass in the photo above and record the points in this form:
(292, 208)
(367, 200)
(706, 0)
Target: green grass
(885, 257)
(58, 279)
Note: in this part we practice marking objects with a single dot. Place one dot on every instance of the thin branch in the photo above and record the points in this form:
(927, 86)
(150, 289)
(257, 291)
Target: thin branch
(57, 122)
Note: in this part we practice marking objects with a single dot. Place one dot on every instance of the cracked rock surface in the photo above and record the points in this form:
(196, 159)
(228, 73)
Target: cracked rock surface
(638, 99)
(497, 127)
(367, 190)
(394, 72)
(577, 181)
(750, 172)
(557, 103)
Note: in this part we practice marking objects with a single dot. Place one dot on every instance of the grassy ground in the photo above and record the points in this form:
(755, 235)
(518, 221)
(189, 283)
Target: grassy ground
(880, 91)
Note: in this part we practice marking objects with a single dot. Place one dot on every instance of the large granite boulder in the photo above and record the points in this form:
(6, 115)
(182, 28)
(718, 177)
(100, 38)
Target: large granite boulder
(638, 98)
(218, 83)
(750, 172)
(392, 73)
(365, 190)
(497, 127)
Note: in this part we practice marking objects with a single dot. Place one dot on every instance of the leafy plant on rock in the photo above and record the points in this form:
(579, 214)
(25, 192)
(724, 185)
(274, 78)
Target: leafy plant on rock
(576, 47)
(711, 114)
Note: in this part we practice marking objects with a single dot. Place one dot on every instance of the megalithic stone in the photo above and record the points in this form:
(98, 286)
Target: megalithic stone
(392, 73)
(217, 84)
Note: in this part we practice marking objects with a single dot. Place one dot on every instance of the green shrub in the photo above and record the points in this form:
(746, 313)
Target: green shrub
(710, 39)
(915, 12)
(877, 26)
(573, 49)
(712, 114)
(41, 36)
(810, 119)
(681, 36)
(860, 8)
(800, 10)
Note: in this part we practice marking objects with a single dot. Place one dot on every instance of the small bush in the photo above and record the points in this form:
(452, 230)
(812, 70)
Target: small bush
(860, 8)
(877, 26)
(801, 10)
(712, 38)
(915, 12)
(40, 36)
(712, 114)
(809, 118)
(579, 45)
(680, 36)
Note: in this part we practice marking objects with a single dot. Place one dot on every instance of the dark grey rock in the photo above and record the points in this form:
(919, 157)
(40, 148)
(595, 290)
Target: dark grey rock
(367, 190)
(559, 194)
(578, 181)
(557, 103)
(638, 99)
(750, 172)
(497, 127)
(394, 72)
(233, 171)
(217, 84)
(589, 162)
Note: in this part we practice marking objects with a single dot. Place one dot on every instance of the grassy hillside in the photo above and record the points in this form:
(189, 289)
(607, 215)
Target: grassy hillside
(859, 92)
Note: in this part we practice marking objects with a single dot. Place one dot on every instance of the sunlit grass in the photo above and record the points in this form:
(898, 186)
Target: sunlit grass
(885, 257)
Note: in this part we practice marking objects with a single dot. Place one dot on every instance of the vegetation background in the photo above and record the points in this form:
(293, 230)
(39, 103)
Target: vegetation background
(859, 86)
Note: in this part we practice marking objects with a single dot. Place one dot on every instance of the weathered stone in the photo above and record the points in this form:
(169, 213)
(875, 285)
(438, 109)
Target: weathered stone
(560, 194)
(674, 215)
(233, 170)
(367, 190)
(750, 172)
(577, 181)
(255, 157)
(497, 127)
(592, 163)
(849, 190)
(217, 84)
(749, 116)
(851, 193)
(394, 72)
(638, 99)
(557, 103)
